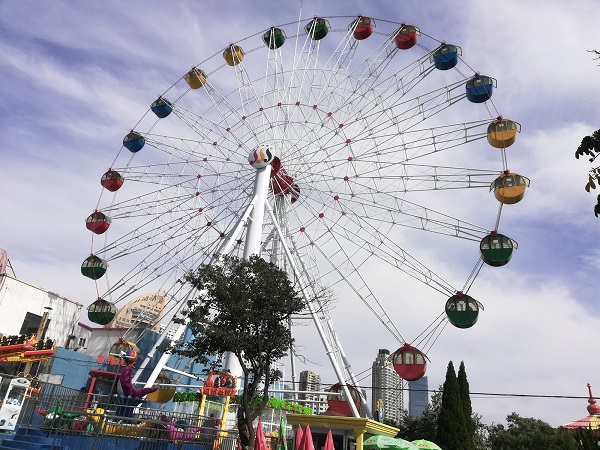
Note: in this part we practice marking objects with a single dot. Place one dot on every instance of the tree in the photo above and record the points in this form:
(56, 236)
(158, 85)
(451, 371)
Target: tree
(590, 146)
(465, 400)
(424, 426)
(452, 431)
(529, 433)
(242, 307)
(586, 439)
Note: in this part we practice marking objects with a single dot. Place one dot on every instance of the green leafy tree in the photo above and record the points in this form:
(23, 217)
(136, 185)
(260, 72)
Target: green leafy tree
(590, 146)
(452, 431)
(524, 433)
(586, 439)
(465, 400)
(242, 307)
(423, 426)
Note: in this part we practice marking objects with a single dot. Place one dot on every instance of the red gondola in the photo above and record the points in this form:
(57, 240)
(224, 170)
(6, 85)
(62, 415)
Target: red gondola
(409, 362)
(363, 28)
(338, 404)
(112, 180)
(407, 37)
(97, 222)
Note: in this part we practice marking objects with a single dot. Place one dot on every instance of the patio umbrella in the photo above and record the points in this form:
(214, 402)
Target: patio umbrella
(281, 439)
(376, 442)
(329, 441)
(299, 437)
(426, 445)
(307, 439)
(406, 445)
(260, 443)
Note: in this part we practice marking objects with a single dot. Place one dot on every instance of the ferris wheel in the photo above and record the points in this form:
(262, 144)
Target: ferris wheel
(315, 144)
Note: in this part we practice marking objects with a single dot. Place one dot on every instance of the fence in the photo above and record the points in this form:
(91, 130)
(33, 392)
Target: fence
(115, 423)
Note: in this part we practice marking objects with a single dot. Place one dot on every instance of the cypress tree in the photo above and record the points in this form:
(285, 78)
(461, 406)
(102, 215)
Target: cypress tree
(451, 426)
(463, 391)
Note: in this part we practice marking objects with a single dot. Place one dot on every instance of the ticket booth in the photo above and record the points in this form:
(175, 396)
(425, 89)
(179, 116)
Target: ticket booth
(12, 392)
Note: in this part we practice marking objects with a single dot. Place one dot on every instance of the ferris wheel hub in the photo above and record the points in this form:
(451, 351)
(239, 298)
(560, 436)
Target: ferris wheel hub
(261, 156)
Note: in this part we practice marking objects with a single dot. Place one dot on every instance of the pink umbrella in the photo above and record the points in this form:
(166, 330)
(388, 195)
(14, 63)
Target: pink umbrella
(308, 440)
(260, 442)
(328, 441)
(299, 436)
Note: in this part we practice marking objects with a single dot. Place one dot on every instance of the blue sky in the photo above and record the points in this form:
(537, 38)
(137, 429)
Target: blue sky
(77, 78)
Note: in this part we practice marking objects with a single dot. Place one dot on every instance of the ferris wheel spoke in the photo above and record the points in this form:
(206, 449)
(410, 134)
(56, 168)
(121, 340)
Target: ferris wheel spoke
(414, 178)
(377, 244)
(415, 143)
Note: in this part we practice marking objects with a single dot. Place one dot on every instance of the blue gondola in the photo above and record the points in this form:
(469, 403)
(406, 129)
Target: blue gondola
(134, 142)
(480, 88)
(161, 107)
(446, 56)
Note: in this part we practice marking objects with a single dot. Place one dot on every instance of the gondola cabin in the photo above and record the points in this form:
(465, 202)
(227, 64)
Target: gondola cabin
(97, 222)
(509, 188)
(317, 28)
(134, 142)
(274, 38)
(102, 312)
(112, 180)
(480, 88)
(94, 267)
(409, 362)
(195, 78)
(446, 56)
(121, 352)
(164, 393)
(407, 37)
(339, 403)
(219, 383)
(233, 55)
(502, 133)
(496, 249)
(363, 28)
(462, 310)
(161, 107)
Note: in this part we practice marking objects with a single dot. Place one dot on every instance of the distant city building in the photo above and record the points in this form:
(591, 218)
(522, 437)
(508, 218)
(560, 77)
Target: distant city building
(386, 385)
(171, 332)
(418, 397)
(310, 381)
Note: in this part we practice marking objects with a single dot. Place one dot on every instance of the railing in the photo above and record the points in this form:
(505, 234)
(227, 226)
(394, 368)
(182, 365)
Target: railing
(116, 423)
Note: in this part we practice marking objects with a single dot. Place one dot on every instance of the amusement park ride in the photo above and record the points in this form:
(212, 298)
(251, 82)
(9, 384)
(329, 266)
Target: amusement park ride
(315, 163)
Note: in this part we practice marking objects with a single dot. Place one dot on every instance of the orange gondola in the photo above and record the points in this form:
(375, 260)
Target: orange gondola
(502, 133)
(509, 188)
(233, 55)
(195, 78)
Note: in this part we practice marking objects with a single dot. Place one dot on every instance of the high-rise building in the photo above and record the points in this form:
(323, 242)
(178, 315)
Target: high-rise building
(386, 385)
(310, 381)
(418, 397)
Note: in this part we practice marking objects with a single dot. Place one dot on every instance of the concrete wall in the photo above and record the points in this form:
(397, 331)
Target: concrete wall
(18, 297)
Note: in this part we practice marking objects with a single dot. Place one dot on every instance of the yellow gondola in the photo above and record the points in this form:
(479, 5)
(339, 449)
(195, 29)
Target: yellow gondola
(233, 55)
(501, 133)
(164, 393)
(195, 78)
(509, 188)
